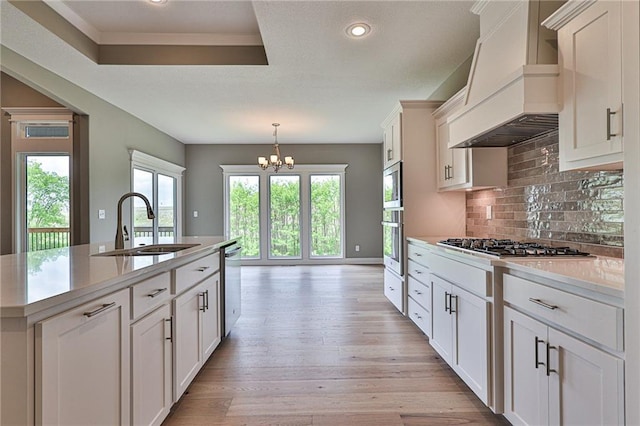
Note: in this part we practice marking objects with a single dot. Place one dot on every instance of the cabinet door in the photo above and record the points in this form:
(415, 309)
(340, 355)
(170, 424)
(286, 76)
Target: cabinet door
(445, 155)
(471, 341)
(590, 47)
(82, 364)
(441, 331)
(151, 364)
(452, 163)
(187, 346)
(525, 379)
(393, 142)
(210, 316)
(393, 289)
(587, 385)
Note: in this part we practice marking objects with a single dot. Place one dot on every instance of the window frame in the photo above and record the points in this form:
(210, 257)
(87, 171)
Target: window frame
(304, 171)
(157, 166)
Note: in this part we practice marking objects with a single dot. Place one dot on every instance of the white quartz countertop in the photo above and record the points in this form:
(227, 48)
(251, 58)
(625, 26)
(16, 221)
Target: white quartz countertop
(32, 282)
(599, 273)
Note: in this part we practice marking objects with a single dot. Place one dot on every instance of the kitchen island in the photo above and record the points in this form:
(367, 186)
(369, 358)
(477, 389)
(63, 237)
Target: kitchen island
(88, 338)
(538, 339)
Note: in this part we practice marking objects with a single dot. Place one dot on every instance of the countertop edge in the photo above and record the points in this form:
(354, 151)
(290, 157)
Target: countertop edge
(585, 286)
(47, 307)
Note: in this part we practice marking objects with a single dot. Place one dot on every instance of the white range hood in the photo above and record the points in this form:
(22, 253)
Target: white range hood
(512, 92)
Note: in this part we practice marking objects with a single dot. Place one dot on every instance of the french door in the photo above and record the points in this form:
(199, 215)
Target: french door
(286, 217)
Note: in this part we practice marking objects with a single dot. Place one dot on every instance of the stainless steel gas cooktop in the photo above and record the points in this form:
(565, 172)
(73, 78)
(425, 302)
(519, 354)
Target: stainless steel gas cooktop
(509, 248)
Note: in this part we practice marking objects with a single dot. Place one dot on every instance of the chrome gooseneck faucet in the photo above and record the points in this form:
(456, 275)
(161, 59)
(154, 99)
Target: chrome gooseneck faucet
(120, 238)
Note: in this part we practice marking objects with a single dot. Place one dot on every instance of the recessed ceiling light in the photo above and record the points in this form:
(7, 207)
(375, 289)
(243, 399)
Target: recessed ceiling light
(358, 30)
(157, 1)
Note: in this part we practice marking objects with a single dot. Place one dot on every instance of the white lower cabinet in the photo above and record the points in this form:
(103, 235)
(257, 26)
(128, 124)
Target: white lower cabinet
(554, 378)
(82, 364)
(151, 365)
(394, 289)
(460, 334)
(197, 331)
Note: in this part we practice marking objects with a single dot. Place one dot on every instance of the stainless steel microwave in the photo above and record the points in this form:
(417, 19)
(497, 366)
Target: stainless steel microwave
(392, 186)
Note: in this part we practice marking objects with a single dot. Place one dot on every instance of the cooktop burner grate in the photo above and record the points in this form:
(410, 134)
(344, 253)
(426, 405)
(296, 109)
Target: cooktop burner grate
(507, 248)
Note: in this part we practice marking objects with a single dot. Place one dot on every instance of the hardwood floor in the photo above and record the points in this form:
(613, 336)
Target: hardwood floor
(321, 345)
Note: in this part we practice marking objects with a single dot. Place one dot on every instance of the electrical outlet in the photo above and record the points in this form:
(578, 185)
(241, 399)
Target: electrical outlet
(102, 214)
(489, 212)
(357, 247)
(195, 213)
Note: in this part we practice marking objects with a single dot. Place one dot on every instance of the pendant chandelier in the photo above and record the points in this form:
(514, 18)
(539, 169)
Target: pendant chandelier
(275, 160)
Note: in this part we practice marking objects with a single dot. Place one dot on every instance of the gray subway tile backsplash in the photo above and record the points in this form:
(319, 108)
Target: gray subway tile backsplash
(580, 209)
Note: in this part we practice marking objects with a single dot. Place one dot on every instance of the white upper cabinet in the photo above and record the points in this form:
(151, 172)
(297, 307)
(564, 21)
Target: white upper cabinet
(591, 90)
(465, 168)
(392, 140)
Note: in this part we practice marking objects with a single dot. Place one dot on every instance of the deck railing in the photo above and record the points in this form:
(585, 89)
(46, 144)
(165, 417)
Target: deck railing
(147, 231)
(47, 238)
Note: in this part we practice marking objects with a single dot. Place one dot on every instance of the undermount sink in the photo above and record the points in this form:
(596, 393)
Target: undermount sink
(148, 250)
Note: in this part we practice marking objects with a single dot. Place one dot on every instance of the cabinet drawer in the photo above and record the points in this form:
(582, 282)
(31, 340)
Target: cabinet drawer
(463, 275)
(419, 292)
(149, 294)
(418, 254)
(420, 316)
(393, 289)
(194, 272)
(418, 271)
(594, 320)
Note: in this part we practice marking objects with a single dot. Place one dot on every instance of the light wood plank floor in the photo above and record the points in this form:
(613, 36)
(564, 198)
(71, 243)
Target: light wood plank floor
(321, 345)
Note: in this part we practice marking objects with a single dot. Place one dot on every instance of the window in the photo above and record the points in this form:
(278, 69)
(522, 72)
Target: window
(291, 216)
(284, 216)
(326, 215)
(243, 213)
(159, 181)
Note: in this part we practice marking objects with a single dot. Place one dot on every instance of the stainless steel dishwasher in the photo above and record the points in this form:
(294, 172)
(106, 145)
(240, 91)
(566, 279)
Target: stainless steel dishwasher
(231, 305)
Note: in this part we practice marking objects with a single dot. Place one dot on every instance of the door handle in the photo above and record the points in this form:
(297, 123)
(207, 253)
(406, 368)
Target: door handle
(451, 297)
(447, 306)
(204, 306)
(609, 114)
(101, 309)
(170, 321)
(543, 304)
(157, 292)
(549, 369)
(536, 342)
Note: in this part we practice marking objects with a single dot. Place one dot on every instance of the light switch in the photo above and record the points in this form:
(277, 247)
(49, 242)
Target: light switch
(102, 214)
(195, 213)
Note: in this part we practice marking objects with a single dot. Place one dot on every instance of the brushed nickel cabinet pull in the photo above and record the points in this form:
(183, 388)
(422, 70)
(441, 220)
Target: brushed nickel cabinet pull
(447, 306)
(203, 268)
(203, 308)
(549, 369)
(417, 292)
(101, 309)
(536, 342)
(206, 298)
(609, 114)
(170, 321)
(543, 304)
(157, 292)
(416, 315)
(451, 310)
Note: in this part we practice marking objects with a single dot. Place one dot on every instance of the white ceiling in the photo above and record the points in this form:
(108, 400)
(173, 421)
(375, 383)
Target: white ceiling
(322, 86)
